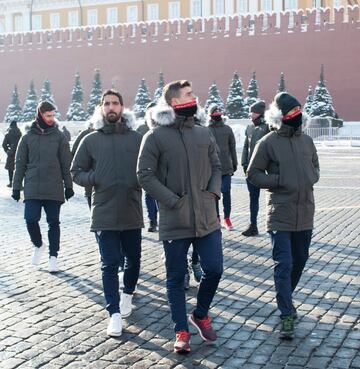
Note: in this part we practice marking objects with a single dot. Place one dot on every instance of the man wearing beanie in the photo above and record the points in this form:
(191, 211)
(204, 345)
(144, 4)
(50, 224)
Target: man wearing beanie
(106, 160)
(225, 140)
(253, 133)
(286, 164)
(179, 167)
(43, 159)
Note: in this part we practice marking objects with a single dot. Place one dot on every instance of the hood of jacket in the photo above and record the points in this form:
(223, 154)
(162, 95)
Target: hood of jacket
(274, 116)
(127, 117)
(164, 115)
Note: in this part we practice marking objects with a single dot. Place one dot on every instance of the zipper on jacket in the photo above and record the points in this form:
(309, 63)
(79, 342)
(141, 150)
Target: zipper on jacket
(297, 175)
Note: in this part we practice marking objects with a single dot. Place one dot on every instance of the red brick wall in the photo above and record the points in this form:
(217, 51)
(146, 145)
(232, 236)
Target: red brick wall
(206, 55)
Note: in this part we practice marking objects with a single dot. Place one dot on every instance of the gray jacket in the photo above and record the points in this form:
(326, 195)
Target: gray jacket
(286, 164)
(43, 158)
(252, 135)
(106, 159)
(179, 167)
(225, 140)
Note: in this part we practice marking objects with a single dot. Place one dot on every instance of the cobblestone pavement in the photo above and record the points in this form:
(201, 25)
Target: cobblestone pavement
(59, 321)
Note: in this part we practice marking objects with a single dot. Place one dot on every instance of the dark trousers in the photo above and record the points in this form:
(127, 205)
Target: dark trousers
(113, 245)
(32, 217)
(211, 260)
(194, 256)
(151, 207)
(226, 196)
(11, 175)
(254, 194)
(290, 253)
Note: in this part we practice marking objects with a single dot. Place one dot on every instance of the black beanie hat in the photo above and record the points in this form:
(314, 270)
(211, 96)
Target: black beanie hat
(286, 102)
(258, 107)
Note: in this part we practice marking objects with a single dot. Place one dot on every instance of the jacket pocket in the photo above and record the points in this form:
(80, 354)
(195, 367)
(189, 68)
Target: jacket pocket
(209, 206)
(177, 217)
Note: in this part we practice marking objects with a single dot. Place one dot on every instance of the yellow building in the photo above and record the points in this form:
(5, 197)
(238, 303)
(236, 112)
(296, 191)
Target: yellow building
(24, 15)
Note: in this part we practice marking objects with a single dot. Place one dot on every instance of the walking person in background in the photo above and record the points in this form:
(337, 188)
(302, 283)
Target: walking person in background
(151, 206)
(285, 163)
(253, 133)
(106, 160)
(43, 159)
(9, 145)
(179, 166)
(226, 143)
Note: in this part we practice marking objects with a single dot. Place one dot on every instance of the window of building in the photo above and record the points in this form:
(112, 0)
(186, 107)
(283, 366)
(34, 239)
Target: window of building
(174, 9)
(73, 18)
(253, 6)
(55, 20)
(132, 14)
(219, 7)
(18, 23)
(153, 12)
(196, 10)
(36, 22)
(317, 3)
(112, 16)
(92, 17)
(337, 3)
(266, 5)
(291, 4)
(242, 6)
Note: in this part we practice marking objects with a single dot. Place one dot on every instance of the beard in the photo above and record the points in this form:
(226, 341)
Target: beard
(112, 117)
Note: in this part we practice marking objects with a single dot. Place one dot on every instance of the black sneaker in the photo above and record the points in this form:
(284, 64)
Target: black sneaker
(287, 328)
(152, 226)
(252, 230)
(294, 312)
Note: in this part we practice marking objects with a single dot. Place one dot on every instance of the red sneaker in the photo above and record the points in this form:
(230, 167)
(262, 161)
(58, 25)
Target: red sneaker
(228, 225)
(182, 342)
(204, 327)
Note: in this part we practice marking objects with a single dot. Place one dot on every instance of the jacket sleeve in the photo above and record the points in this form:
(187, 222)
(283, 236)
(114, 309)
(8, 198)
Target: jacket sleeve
(81, 167)
(147, 168)
(21, 160)
(257, 173)
(65, 161)
(76, 144)
(5, 143)
(214, 185)
(245, 151)
(232, 146)
(315, 160)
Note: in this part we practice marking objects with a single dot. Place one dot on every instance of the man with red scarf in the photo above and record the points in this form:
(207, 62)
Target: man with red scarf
(179, 167)
(43, 159)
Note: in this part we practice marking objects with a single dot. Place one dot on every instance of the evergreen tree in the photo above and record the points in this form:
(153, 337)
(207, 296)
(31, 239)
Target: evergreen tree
(235, 100)
(46, 95)
(322, 105)
(76, 111)
(281, 86)
(158, 91)
(95, 94)
(252, 95)
(30, 105)
(13, 111)
(309, 101)
(214, 98)
(142, 98)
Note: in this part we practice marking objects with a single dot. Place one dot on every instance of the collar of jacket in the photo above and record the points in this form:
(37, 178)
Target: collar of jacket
(127, 118)
(118, 127)
(35, 128)
(183, 122)
(288, 131)
(214, 123)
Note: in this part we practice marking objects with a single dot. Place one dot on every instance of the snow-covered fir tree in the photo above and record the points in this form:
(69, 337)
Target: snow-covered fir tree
(46, 95)
(235, 100)
(281, 86)
(160, 87)
(214, 98)
(13, 111)
(142, 98)
(322, 105)
(252, 95)
(76, 111)
(30, 105)
(95, 94)
(309, 101)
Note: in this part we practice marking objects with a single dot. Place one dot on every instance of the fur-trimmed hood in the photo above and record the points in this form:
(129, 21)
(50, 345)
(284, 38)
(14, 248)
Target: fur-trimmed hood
(274, 116)
(164, 115)
(128, 117)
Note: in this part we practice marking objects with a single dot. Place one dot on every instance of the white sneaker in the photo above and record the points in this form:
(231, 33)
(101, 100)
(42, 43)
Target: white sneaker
(121, 279)
(37, 254)
(125, 305)
(114, 328)
(53, 268)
